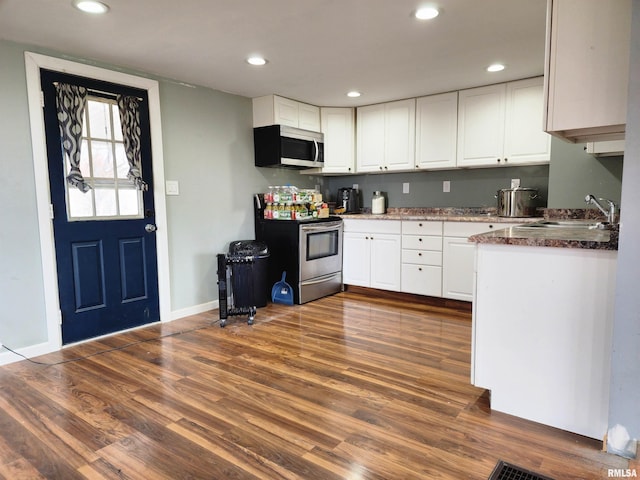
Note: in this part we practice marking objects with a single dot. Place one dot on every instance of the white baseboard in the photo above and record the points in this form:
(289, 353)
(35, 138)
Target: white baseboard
(193, 310)
(7, 357)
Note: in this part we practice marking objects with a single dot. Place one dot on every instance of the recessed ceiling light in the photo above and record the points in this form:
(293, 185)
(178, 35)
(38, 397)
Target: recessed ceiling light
(353, 94)
(91, 6)
(427, 13)
(496, 67)
(256, 60)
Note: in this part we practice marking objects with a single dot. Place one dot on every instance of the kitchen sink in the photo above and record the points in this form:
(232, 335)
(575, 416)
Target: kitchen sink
(588, 224)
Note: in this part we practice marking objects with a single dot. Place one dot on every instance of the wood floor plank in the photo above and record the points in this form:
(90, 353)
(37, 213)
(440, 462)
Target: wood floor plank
(359, 385)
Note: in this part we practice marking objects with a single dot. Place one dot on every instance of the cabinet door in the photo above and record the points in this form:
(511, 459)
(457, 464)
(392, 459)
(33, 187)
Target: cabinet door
(436, 131)
(338, 129)
(370, 134)
(525, 141)
(458, 257)
(309, 117)
(385, 262)
(285, 111)
(481, 126)
(588, 68)
(356, 259)
(400, 135)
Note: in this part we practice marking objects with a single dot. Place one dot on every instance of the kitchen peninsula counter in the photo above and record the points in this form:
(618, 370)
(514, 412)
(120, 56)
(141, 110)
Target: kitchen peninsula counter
(592, 239)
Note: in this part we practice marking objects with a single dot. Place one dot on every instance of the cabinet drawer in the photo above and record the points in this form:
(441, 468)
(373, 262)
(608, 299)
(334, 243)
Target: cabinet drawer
(419, 227)
(422, 280)
(422, 257)
(415, 242)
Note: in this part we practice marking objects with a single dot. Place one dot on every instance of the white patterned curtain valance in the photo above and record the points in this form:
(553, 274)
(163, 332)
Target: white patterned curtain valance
(71, 101)
(130, 119)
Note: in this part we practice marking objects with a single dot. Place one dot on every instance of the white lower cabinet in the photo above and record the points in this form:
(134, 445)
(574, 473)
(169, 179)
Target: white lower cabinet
(458, 257)
(422, 258)
(371, 252)
(430, 258)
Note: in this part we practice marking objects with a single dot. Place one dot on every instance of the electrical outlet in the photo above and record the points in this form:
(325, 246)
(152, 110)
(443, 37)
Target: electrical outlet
(405, 187)
(446, 186)
(515, 182)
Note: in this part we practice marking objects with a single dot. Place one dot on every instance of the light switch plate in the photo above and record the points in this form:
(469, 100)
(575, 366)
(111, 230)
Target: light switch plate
(515, 182)
(172, 187)
(446, 186)
(405, 187)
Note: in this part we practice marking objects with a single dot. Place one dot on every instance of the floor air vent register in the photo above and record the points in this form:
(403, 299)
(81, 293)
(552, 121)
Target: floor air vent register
(506, 471)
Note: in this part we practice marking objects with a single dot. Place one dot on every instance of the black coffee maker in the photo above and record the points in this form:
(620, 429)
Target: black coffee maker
(348, 199)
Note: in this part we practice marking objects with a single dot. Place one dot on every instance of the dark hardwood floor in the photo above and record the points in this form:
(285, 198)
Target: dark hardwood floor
(347, 387)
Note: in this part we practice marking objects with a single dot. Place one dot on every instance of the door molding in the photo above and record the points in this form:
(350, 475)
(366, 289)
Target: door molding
(33, 63)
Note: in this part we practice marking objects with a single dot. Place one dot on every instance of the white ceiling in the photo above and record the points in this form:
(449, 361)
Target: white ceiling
(317, 49)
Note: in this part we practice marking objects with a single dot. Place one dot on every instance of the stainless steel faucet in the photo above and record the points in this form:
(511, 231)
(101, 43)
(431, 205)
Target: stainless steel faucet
(610, 214)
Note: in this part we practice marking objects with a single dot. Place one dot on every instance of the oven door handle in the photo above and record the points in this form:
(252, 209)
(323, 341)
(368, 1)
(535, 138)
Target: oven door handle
(326, 226)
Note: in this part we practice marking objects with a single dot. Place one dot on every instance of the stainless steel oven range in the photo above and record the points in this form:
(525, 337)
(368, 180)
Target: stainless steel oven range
(310, 251)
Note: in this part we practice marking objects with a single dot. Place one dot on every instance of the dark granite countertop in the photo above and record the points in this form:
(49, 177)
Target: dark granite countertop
(593, 239)
(447, 214)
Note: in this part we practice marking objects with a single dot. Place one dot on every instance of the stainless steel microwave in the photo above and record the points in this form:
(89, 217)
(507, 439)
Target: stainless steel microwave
(282, 146)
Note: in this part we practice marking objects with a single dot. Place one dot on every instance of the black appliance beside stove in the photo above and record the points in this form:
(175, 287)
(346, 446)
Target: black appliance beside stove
(309, 251)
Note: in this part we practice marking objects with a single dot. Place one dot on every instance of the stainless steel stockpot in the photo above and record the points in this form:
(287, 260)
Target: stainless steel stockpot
(517, 202)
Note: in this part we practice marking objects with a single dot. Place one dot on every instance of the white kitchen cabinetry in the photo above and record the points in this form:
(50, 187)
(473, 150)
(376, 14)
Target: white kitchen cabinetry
(338, 127)
(386, 136)
(371, 253)
(502, 125)
(609, 148)
(276, 110)
(587, 69)
(458, 257)
(422, 258)
(436, 131)
(542, 329)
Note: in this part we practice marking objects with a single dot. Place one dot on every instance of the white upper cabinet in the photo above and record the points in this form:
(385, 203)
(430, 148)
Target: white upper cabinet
(386, 136)
(338, 127)
(436, 131)
(525, 141)
(502, 125)
(587, 69)
(481, 126)
(275, 110)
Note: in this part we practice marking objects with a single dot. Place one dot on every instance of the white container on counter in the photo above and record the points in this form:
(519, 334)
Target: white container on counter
(377, 203)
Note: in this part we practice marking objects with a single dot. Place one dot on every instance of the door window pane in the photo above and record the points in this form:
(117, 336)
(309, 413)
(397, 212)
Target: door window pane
(80, 204)
(104, 166)
(99, 119)
(106, 202)
(129, 201)
(102, 159)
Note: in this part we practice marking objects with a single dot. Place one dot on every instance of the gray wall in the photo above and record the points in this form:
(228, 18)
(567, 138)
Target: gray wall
(573, 174)
(469, 188)
(208, 148)
(624, 406)
(22, 315)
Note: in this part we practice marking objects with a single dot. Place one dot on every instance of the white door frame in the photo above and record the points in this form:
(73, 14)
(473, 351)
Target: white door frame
(33, 63)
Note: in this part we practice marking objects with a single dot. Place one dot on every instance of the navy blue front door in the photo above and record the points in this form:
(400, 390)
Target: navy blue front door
(107, 268)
